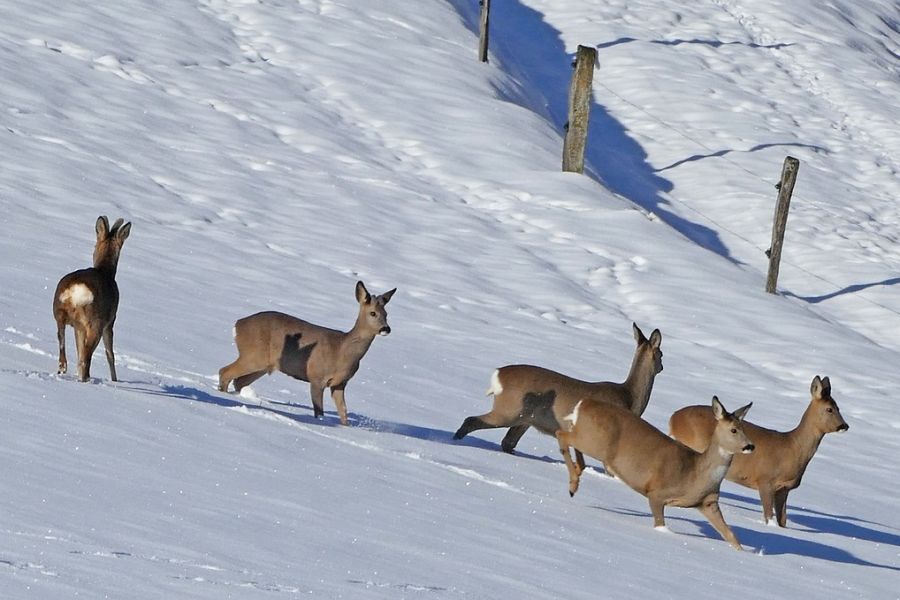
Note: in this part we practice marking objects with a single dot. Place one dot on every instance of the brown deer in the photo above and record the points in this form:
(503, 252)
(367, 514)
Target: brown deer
(528, 396)
(326, 358)
(654, 465)
(780, 459)
(88, 299)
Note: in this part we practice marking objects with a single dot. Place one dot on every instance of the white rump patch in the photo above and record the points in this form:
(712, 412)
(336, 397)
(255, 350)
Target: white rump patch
(77, 295)
(574, 416)
(496, 389)
(234, 332)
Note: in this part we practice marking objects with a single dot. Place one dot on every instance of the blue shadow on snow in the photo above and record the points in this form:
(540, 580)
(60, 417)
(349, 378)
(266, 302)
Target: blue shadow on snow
(520, 36)
(771, 543)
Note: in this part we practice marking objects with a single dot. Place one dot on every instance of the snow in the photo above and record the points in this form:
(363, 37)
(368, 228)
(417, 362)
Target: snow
(271, 153)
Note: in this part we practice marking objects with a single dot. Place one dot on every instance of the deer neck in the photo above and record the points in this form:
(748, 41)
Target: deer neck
(713, 463)
(106, 264)
(639, 383)
(806, 437)
(357, 341)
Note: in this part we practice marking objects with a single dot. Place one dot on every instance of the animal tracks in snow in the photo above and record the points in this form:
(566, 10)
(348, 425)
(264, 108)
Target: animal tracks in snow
(175, 568)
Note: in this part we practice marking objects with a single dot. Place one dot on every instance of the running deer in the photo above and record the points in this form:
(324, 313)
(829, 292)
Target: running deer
(654, 465)
(528, 396)
(326, 358)
(88, 299)
(780, 459)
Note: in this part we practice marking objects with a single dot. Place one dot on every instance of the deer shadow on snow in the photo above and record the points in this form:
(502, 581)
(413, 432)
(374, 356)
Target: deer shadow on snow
(289, 410)
(814, 521)
(768, 542)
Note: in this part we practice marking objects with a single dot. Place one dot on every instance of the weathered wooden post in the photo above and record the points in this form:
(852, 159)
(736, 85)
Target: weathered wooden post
(483, 39)
(579, 110)
(785, 189)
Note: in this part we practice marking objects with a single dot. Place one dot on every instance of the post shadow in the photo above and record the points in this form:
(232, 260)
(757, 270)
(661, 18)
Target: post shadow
(850, 289)
(522, 37)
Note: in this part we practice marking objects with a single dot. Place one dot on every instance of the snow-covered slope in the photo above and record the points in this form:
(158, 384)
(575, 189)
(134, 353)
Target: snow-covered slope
(269, 154)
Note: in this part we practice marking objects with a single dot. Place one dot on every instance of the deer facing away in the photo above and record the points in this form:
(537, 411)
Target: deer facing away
(665, 471)
(528, 396)
(326, 358)
(88, 299)
(780, 459)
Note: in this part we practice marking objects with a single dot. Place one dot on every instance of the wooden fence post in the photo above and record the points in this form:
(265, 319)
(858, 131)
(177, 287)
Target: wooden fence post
(483, 39)
(579, 110)
(785, 189)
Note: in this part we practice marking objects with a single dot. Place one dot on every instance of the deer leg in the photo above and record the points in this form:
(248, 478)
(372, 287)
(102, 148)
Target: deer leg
(61, 337)
(337, 394)
(225, 376)
(108, 346)
(710, 509)
(579, 461)
(781, 496)
(767, 497)
(657, 507)
(316, 393)
(86, 342)
(512, 437)
(490, 420)
(245, 380)
(232, 372)
(574, 474)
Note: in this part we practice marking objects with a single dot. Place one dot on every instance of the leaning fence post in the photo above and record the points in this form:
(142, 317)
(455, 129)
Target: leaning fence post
(483, 38)
(579, 110)
(785, 189)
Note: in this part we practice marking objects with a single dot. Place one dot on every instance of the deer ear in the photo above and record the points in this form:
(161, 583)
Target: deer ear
(739, 413)
(655, 338)
(102, 227)
(386, 297)
(123, 232)
(638, 334)
(826, 386)
(815, 388)
(362, 294)
(718, 410)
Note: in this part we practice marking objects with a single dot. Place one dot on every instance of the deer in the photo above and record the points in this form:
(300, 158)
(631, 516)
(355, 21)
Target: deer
(88, 300)
(780, 459)
(326, 358)
(665, 471)
(529, 396)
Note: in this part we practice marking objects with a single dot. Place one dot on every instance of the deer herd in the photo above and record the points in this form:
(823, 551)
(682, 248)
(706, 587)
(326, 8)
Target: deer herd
(705, 445)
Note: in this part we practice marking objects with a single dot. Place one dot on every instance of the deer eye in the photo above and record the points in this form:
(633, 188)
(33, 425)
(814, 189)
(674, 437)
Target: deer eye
(372, 314)
(831, 410)
(733, 430)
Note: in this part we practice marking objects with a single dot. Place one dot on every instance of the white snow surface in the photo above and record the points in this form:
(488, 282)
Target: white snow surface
(270, 153)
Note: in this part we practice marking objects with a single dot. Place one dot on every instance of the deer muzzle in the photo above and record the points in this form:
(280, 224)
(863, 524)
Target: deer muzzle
(748, 449)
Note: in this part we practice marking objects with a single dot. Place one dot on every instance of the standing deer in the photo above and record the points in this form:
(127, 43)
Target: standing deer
(88, 299)
(526, 396)
(326, 358)
(780, 459)
(653, 464)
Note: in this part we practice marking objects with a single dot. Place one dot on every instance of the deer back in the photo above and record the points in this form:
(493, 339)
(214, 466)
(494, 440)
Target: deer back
(308, 351)
(780, 458)
(91, 296)
(544, 397)
(647, 460)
